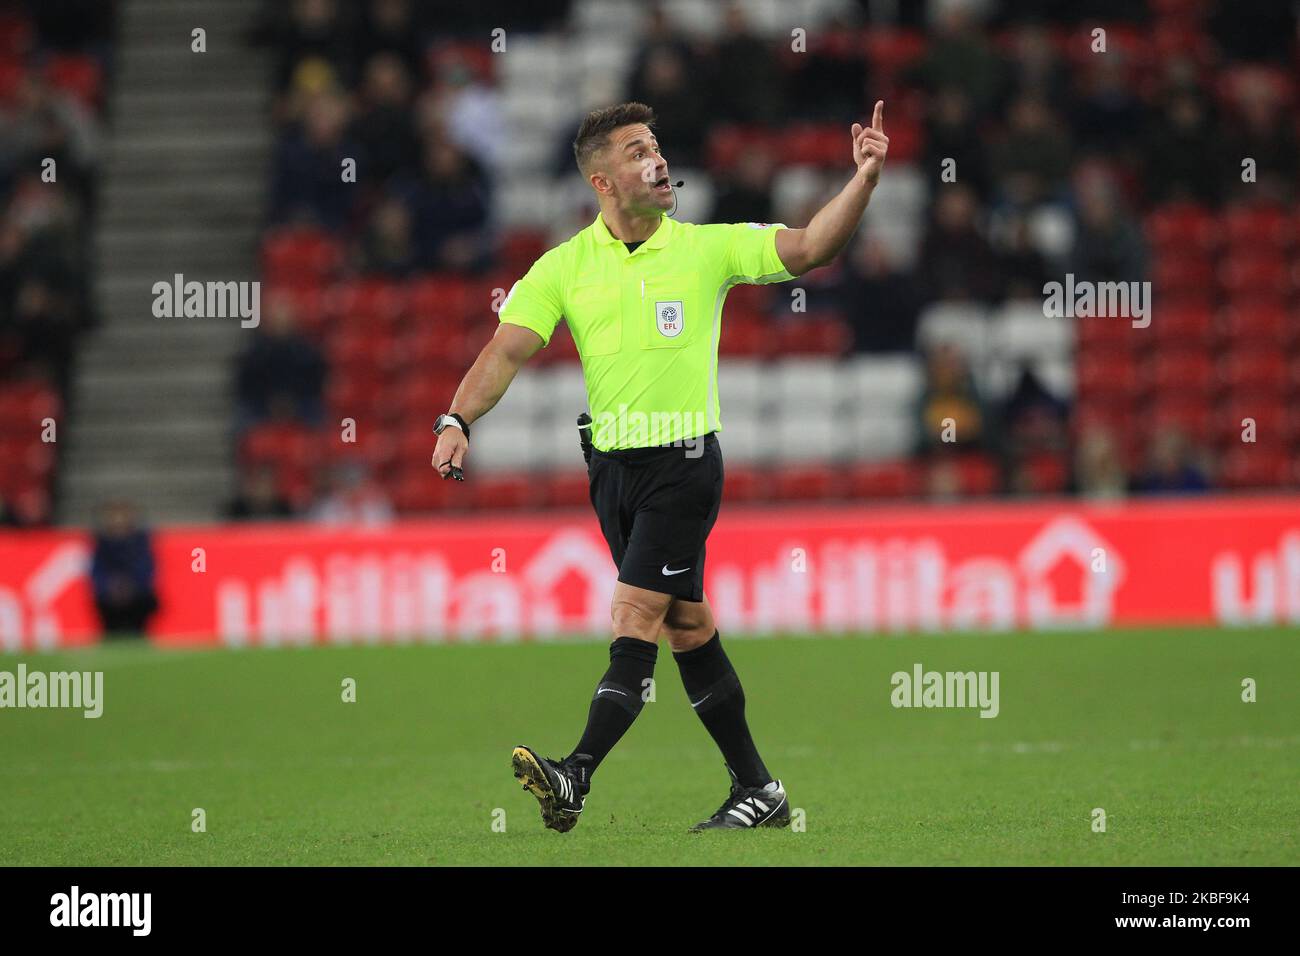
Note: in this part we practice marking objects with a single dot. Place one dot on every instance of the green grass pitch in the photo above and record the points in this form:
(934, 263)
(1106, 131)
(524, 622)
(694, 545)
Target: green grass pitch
(1147, 725)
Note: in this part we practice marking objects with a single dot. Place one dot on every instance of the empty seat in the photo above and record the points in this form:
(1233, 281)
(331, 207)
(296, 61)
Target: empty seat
(959, 324)
(1023, 331)
(884, 381)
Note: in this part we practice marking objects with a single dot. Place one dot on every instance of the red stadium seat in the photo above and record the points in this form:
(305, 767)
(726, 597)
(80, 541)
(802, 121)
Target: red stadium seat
(503, 491)
(78, 75)
(1109, 376)
(812, 335)
(367, 302)
(1046, 474)
(312, 307)
(1183, 325)
(420, 491)
(25, 405)
(726, 143)
(1257, 228)
(1191, 414)
(299, 256)
(808, 144)
(807, 482)
(438, 302)
(746, 338)
(1184, 228)
(520, 248)
(978, 474)
(1110, 335)
(891, 51)
(566, 489)
(1269, 414)
(1256, 274)
(1175, 272)
(890, 479)
(1183, 372)
(1247, 466)
(1254, 370)
(1259, 325)
(11, 79)
(742, 484)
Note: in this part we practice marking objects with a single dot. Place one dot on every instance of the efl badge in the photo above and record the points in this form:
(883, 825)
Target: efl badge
(669, 317)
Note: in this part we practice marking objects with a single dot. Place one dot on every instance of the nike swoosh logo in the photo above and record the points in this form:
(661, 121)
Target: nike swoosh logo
(696, 703)
(668, 573)
(609, 690)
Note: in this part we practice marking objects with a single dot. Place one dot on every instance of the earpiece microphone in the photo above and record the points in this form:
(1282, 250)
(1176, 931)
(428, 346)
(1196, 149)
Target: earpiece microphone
(679, 184)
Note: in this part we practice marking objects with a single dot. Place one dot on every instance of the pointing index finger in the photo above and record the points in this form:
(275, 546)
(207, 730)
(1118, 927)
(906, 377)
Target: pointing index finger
(878, 116)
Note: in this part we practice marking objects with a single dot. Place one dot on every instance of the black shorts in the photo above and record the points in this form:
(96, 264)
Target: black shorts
(656, 508)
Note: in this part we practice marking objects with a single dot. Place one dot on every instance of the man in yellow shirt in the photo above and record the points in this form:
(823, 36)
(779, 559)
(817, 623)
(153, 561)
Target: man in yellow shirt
(643, 296)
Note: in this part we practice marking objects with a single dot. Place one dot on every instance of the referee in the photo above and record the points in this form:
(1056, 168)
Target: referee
(643, 294)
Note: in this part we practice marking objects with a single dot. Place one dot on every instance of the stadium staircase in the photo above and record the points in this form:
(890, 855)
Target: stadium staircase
(182, 193)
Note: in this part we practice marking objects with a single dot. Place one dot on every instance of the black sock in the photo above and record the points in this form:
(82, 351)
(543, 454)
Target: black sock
(618, 698)
(714, 691)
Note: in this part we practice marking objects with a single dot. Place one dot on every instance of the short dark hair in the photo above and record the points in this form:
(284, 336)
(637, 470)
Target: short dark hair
(593, 134)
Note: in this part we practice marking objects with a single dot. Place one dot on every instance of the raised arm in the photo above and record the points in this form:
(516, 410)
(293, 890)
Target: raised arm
(831, 228)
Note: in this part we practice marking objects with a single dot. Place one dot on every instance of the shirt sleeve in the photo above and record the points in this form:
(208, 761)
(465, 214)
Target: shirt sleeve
(751, 253)
(536, 301)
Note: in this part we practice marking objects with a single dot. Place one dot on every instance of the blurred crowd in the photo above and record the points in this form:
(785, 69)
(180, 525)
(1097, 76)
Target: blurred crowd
(53, 57)
(1056, 156)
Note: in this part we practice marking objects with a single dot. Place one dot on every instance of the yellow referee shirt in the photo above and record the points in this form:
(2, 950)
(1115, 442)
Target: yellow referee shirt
(646, 323)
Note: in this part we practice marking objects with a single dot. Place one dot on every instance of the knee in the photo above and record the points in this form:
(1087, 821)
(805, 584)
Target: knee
(632, 618)
(687, 637)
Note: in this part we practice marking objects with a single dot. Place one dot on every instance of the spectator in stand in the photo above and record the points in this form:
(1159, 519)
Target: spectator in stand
(390, 27)
(450, 208)
(1109, 246)
(953, 134)
(951, 415)
(1032, 160)
(959, 55)
(280, 366)
(306, 184)
(1108, 115)
(879, 300)
(1171, 467)
(1033, 422)
(666, 84)
(384, 128)
(1023, 268)
(1176, 164)
(259, 499)
(46, 328)
(353, 499)
(312, 30)
(122, 571)
(746, 195)
(1099, 471)
(388, 247)
(1037, 67)
(466, 112)
(746, 74)
(660, 33)
(956, 261)
(1263, 130)
(43, 122)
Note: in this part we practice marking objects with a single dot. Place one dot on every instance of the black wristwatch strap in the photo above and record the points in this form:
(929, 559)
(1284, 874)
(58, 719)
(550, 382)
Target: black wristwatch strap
(464, 425)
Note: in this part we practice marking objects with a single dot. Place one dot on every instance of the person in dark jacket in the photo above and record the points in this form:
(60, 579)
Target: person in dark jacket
(122, 571)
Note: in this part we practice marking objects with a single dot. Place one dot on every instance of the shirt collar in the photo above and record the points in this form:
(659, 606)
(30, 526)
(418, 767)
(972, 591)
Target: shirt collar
(657, 240)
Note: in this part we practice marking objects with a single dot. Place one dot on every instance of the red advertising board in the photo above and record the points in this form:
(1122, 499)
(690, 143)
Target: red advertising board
(830, 570)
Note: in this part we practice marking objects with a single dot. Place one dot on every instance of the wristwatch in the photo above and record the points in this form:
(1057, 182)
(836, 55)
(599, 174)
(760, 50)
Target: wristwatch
(450, 418)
